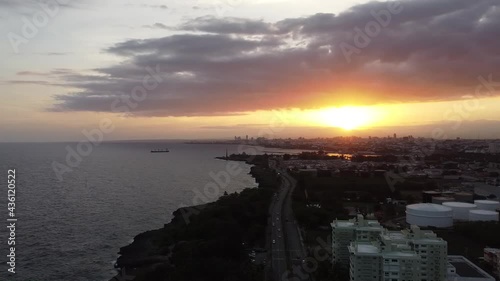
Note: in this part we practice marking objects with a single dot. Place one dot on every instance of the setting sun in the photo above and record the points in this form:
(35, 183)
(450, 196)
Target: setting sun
(348, 117)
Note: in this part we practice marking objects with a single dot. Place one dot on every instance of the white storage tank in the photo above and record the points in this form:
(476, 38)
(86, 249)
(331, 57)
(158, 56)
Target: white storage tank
(483, 215)
(460, 209)
(428, 214)
(487, 205)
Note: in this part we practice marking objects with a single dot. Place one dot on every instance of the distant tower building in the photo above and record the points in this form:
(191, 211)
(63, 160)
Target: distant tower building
(395, 136)
(247, 137)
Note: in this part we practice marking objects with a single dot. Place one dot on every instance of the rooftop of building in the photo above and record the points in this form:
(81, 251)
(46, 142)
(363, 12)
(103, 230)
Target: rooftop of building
(370, 228)
(364, 248)
(466, 269)
(342, 224)
(368, 249)
(373, 249)
(393, 236)
(357, 222)
(416, 235)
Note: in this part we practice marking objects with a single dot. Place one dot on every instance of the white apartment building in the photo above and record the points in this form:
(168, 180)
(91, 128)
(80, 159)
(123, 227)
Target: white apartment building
(371, 262)
(432, 250)
(408, 255)
(346, 231)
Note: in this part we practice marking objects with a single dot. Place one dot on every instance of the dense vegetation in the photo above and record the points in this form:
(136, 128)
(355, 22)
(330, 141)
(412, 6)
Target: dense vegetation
(318, 201)
(213, 242)
(318, 208)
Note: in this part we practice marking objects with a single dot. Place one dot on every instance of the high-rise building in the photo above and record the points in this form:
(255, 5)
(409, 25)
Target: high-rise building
(377, 254)
(372, 261)
(408, 255)
(346, 231)
(433, 251)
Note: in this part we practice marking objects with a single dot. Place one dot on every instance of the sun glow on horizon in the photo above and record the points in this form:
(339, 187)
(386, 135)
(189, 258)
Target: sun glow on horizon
(347, 117)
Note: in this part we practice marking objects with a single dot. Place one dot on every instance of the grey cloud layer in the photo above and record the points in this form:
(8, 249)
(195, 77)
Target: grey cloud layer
(431, 50)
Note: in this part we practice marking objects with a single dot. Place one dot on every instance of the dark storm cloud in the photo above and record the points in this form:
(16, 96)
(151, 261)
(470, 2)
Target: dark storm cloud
(35, 82)
(430, 50)
(228, 26)
(57, 72)
(190, 46)
(157, 25)
(50, 78)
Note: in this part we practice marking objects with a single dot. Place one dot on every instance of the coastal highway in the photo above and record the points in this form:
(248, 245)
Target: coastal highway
(279, 263)
(287, 247)
(295, 246)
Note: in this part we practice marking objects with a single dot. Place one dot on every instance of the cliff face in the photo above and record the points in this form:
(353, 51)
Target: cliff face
(206, 242)
(150, 250)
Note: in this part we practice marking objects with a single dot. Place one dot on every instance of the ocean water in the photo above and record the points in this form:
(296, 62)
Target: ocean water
(72, 229)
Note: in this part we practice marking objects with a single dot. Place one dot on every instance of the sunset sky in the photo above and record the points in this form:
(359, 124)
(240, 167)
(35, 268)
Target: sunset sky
(233, 67)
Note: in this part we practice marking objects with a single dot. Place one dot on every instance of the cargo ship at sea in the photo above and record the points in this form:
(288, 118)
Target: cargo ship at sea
(160, 150)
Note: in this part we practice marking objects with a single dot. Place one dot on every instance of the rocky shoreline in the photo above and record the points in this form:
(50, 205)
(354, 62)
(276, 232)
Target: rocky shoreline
(172, 252)
(147, 252)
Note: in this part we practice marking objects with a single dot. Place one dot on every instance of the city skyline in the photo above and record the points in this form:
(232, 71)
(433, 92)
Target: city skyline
(214, 69)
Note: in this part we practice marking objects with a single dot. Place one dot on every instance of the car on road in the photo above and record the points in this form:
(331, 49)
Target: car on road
(279, 229)
(273, 224)
(274, 241)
